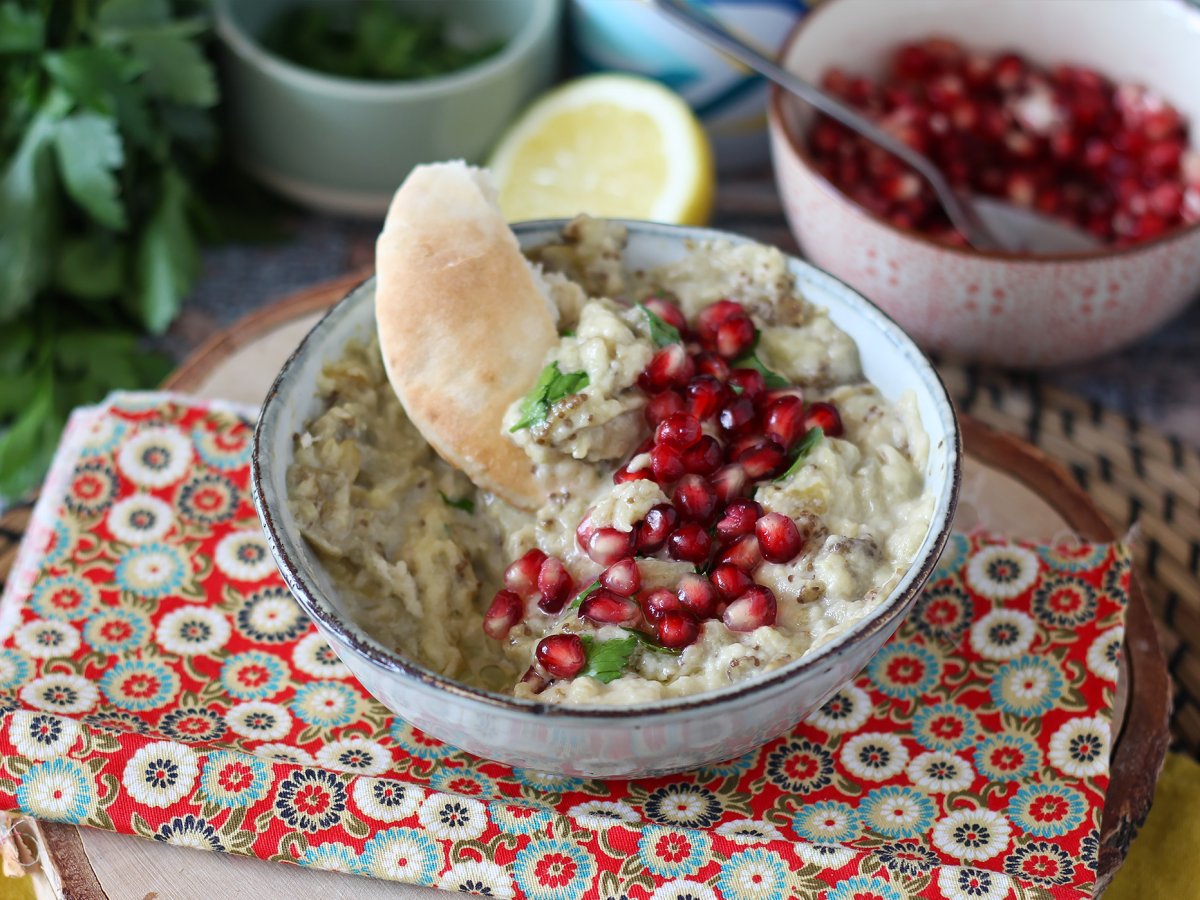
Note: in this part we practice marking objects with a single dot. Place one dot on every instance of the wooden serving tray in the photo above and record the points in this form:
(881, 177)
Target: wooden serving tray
(1010, 487)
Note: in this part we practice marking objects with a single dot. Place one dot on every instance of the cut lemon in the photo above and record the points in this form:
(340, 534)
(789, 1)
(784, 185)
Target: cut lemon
(616, 146)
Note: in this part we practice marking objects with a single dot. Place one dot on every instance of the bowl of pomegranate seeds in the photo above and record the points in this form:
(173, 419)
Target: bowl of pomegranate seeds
(1090, 114)
(753, 473)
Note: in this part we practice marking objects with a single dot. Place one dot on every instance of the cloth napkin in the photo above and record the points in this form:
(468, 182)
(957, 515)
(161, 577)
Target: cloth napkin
(157, 679)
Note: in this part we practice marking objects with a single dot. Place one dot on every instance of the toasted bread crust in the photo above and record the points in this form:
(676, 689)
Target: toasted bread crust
(464, 323)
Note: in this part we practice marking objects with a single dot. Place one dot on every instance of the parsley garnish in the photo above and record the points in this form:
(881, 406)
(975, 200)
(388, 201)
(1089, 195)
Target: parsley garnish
(584, 594)
(552, 385)
(466, 504)
(811, 438)
(751, 361)
(660, 332)
(607, 659)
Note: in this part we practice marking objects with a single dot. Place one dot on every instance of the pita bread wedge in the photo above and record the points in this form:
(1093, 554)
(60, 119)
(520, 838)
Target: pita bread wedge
(464, 323)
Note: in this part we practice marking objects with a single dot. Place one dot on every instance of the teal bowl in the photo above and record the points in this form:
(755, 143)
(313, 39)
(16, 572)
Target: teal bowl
(343, 145)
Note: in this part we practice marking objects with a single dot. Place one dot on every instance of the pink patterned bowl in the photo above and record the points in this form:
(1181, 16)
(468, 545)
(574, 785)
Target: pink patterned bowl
(1016, 310)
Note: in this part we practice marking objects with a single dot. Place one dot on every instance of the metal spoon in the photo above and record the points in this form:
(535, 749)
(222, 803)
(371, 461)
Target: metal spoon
(987, 224)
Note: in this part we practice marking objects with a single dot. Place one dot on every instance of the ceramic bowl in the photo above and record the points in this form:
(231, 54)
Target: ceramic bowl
(643, 740)
(342, 145)
(1016, 310)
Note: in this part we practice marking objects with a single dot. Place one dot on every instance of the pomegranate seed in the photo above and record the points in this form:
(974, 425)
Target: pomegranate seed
(679, 430)
(535, 679)
(695, 499)
(1008, 71)
(730, 581)
(711, 364)
(661, 405)
(704, 396)
(583, 534)
(778, 538)
(763, 460)
(676, 630)
(623, 577)
(737, 519)
(689, 543)
(1165, 200)
(737, 415)
(784, 421)
(669, 367)
(660, 602)
(754, 609)
(554, 584)
(743, 553)
(606, 608)
(667, 311)
(562, 655)
(698, 596)
(607, 545)
(826, 416)
(735, 336)
(901, 186)
(740, 444)
(728, 482)
(652, 533)
(703, 457)
(624, 475)
(1020, 189)
(750, 382)
(666, 463)
(506, 610)
(712, 317)
(521, 576)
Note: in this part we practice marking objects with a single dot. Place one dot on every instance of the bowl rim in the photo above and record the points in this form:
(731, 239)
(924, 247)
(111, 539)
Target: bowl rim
(542, 16)
(776, 122)
(887, 615)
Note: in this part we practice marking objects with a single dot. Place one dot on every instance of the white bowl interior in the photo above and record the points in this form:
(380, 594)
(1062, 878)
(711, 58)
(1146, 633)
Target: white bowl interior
(1155, 43)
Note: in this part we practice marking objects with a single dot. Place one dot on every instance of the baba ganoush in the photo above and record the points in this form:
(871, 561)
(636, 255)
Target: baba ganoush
(729, 492)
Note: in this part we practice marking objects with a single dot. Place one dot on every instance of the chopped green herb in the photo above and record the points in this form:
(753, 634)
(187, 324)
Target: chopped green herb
(584, 594)
(772, 379)
(552, 385)
(607, 659)
(811, 438)
(651, 645)
(568, 333)
(466, 504)
(660, 332)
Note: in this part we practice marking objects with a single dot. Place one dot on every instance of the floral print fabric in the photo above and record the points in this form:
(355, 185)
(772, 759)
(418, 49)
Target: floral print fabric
(157, 679)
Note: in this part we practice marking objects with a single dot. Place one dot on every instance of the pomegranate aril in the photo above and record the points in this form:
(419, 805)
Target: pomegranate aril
(712, 317)
(659, 602)
(778, 538)
(695, 499)
(763, 460)
(735, 336)
(676, 630)
(680, 431)
(743, 553)
(624, 475)
(661, 405)
(666, 463)
(689, 543)
(703, 457)
(730, 581)
(698, 596)
(554, 584)
(705, 394)
(607, 545)
(623, 577)
(583, 535)
(826, 417)
(749, 383)
(562, 655)
(711, 364)
(784, 421)
(754, 609)
(737, 415)
(667, 311)
(728, 482)
(521, 576)
(536, 680)
(652, 533)
(607, 608)
(737, 519)
(669, 367)
(505, 611)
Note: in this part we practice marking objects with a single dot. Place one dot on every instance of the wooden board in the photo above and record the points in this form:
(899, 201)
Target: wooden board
(1010, 487)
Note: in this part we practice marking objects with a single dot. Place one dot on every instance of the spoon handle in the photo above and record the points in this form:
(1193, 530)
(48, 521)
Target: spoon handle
(708, 29)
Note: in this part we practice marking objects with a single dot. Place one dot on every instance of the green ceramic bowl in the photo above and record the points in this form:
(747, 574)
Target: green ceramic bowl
(344, 145)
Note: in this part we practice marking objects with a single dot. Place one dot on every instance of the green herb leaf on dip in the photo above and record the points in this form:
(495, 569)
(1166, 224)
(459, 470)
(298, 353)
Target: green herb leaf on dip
(466, 504)
(606, 660)
(584, 594)
(811, 438)
(660, 332)
(772, 379)
(552, 385)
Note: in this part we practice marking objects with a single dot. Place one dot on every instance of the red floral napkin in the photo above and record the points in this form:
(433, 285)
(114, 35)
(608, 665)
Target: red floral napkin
(157, 679)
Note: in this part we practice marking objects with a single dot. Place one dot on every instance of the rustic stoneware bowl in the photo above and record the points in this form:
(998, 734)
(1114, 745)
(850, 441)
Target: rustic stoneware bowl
(644, 740)
(1011, 309)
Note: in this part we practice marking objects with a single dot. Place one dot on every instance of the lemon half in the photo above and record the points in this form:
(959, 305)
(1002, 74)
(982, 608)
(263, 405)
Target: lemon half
(616, 146)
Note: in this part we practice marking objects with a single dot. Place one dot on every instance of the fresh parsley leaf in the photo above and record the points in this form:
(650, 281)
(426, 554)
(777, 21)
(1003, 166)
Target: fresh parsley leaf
(752, 361)
(466, 504)
(90, 267)
(584, 594)
(116, 17)
(167, 258)
(652, 645)
(607, 659)
(660, 332)
(552, 385)
(21, 31)
(811, 438)
(89, 152)
(176, 70)
(94, 76)
(28, 219)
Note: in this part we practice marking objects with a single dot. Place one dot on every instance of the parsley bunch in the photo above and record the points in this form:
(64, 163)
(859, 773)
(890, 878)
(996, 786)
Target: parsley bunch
(105, 120)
